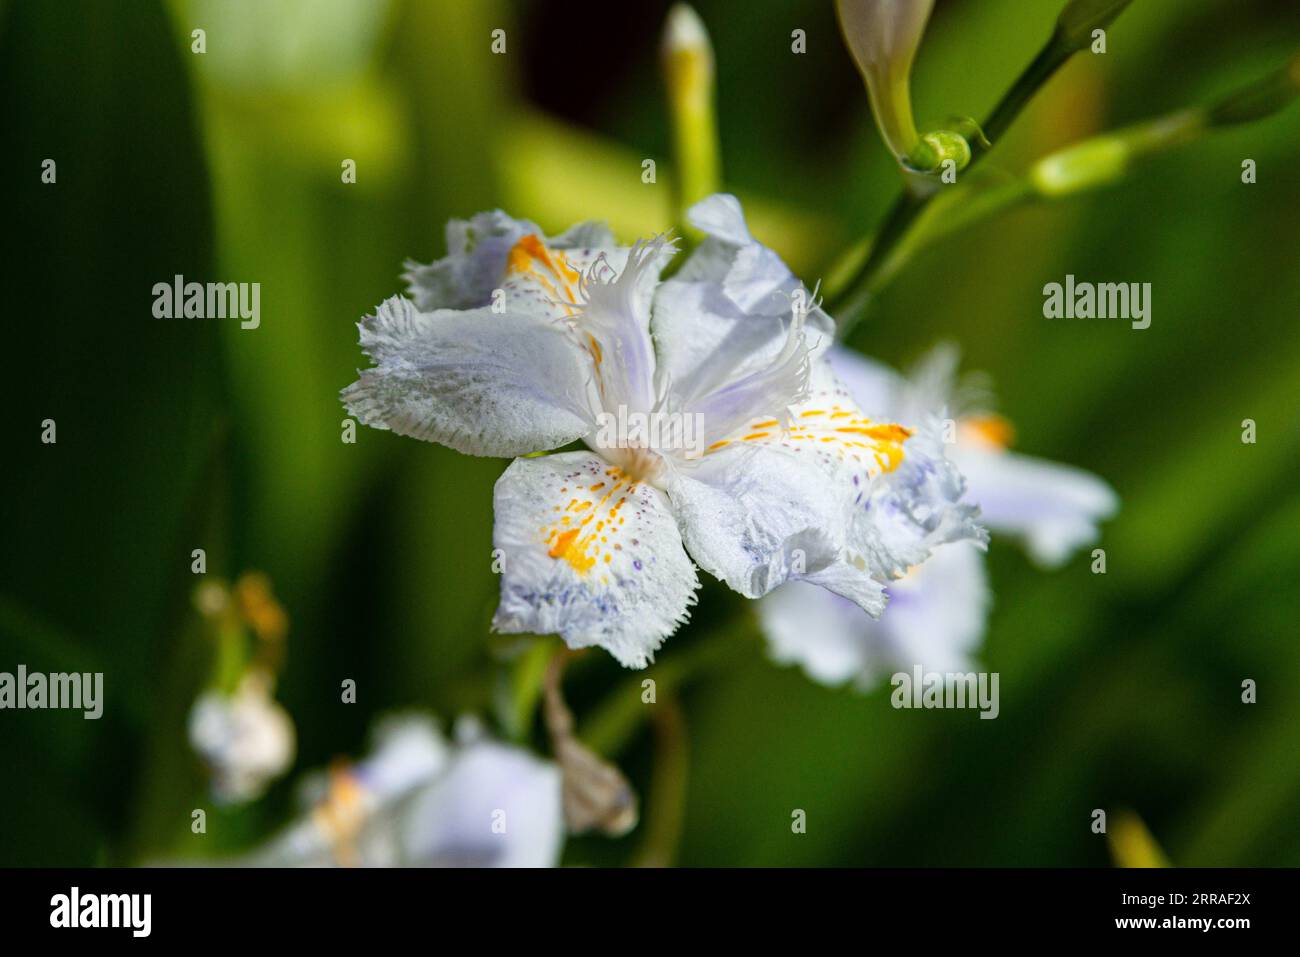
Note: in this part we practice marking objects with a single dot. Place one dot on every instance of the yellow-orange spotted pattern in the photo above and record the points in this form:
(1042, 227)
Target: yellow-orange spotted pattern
(551, 271)
(583, 527)
(834, 429)
(549, 268)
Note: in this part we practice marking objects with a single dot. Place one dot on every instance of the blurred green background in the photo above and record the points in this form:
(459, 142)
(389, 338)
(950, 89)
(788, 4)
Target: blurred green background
(1121, 691)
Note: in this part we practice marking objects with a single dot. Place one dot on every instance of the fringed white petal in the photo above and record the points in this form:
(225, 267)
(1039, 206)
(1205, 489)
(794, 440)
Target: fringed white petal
(858, 501)
(500, 385)
(591, 555)
(477, 250)
(935, 618)
(479, 254)
(1053, 509)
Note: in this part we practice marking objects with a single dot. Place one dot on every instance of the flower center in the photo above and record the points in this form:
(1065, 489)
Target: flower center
(638, 463)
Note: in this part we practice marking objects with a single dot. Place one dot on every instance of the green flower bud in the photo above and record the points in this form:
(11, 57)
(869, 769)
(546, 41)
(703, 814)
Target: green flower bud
(1260, 99)
(1106, 158)
(1091, 163)
(939, 147)
(689, 72)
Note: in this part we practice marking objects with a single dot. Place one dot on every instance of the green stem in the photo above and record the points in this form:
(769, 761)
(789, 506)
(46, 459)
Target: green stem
(1042, 68)
(610, 726)
(520, 686)
(667, 799)
(850, 304)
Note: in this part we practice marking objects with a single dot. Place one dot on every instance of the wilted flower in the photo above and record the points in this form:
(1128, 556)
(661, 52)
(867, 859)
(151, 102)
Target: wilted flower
(245, 738)
(419, 800)
(596, 794)
(514, 343)
(883, 37)
(937, 613)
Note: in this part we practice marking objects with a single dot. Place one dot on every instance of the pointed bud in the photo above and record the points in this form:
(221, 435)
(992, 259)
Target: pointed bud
(688, 69)
(1260, 99)
(883, 36)
(1103, 159)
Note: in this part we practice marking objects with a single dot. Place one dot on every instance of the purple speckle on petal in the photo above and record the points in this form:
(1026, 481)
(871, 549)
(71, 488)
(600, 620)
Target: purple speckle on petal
(636, 563)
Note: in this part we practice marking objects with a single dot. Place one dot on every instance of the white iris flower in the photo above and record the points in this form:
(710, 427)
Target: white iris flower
(515, 344)
(419, 800)
(937, 613)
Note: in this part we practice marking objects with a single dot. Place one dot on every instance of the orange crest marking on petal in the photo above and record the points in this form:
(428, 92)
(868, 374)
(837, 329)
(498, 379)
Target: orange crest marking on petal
(342, 813)
(847, 435)
(549, 268)
(580, 545)
(989, 430)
